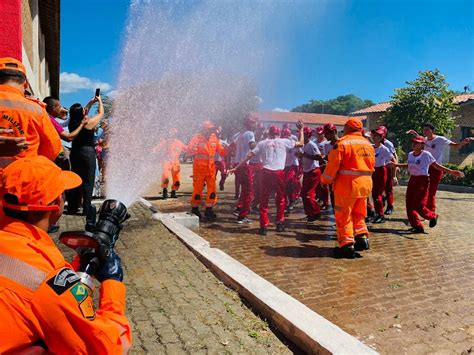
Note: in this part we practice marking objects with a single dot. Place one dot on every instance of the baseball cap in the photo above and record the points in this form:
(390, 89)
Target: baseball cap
(320, 130)
(385, 130)
(355, 123)
(418, 139)
(274, 130)
(12, 64)
(36, 182)
(307, 131)
(379, 130)
(328, 127)
(285, 133)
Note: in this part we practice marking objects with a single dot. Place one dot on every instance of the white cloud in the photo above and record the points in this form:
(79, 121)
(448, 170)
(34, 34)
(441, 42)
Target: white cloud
(113, 94)
(278, 109)
(72, 82)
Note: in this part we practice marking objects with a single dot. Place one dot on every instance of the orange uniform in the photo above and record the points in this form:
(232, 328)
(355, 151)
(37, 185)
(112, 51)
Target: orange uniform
(171, 166)
(349, 169)
(42, 299)
(27, 118)
(203, 151)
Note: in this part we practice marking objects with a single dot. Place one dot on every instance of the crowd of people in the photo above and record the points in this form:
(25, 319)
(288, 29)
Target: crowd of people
(45, 305)
(353, 171)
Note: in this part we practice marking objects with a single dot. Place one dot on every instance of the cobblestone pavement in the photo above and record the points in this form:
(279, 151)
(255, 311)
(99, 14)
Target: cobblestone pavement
(409, 294)
(176, 306)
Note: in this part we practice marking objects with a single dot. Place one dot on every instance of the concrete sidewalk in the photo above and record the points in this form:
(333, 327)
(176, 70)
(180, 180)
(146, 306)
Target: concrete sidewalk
(175, 304)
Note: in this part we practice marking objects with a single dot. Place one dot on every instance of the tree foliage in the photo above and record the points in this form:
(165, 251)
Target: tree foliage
(426, 99)
(341, 105)
(108, 104)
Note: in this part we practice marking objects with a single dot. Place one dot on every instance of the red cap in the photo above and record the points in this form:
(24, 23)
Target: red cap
(36, 182)
(274, 130)
(355, 123)
(307, 131)
(328, 127)
(384, 129)
(380, 131)
(320, 130)
(418, 139)
(12, 64)
(285, 133)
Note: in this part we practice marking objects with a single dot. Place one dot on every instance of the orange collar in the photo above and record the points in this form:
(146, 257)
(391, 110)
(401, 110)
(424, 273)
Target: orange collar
(8, 88)
(24, 229)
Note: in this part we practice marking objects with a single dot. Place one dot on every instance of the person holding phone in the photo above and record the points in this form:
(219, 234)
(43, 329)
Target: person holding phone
(83, 159)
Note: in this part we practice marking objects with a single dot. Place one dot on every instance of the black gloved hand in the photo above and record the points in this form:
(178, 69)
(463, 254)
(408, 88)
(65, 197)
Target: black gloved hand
(110, 269)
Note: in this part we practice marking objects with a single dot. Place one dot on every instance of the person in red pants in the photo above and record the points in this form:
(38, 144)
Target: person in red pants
(435, 145)
(391, 173)
(418, 163)
(291, 173)
(311, 177)
(273, 152)
(330, 133)
(256, 166)
(245, 142)
(322, 191)
(383, 156)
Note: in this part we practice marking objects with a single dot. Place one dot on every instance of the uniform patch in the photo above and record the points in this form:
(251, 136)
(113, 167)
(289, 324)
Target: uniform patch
(83, 296)
(63, 280)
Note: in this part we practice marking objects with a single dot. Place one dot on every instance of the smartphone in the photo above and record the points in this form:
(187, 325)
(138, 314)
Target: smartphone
(97, 92)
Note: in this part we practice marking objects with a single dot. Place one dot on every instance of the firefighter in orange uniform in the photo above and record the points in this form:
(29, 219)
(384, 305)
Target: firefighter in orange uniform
(349, 169)
(24, 117)
(203, 147)
(171, 166)
(43, 302)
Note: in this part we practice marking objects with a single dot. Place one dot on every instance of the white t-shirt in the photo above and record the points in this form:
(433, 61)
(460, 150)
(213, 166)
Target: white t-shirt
(382, 156)
(436, 146)
(419, 165)
(273, 152)
(310, 148)
(219, 157)
(321, 144)
(327, 148)
(292, 157)
(242, 145)
(389, 145)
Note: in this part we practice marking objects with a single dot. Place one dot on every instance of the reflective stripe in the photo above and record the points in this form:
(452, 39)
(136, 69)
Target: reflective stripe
(20, 272)
(326, 176)
(354, 172)
(13, 104)
(355, 141)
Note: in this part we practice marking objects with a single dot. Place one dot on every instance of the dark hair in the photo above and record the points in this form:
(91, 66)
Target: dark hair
(429, 125)
(50, 102)
(7, 75)
(76, 115)
(25, 216)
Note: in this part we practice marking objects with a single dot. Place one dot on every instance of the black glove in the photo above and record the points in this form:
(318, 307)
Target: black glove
(110, 268)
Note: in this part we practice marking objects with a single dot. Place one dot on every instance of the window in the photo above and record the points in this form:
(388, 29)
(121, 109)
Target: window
(467, 132)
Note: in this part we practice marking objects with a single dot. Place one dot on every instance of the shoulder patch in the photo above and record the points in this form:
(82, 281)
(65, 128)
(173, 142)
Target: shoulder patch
(63, 280)
(83, 296)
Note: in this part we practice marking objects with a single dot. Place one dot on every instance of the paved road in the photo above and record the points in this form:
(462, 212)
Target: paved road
(409, 294)
(176, 306)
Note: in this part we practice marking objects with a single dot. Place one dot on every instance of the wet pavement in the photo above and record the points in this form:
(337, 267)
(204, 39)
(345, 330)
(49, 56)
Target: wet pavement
(408, 294)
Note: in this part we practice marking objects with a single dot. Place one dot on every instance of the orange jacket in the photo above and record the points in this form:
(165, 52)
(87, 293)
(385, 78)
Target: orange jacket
(350, 166)
(172, 149)
(43, 299)
(28, 119)
(203, 151)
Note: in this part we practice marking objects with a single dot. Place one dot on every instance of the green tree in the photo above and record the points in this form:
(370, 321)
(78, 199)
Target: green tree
(108, 103)
(426, 99)
(341, 105)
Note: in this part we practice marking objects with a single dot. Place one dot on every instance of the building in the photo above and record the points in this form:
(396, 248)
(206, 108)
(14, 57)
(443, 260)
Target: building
(312, 120)
(464, 116)
(30, 33)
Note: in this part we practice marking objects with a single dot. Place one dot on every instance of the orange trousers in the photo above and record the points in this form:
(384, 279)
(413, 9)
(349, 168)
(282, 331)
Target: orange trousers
(171, 169)
(350, 213)
(201, 177)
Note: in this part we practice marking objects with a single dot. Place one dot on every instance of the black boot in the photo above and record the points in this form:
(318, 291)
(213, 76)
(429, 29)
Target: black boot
(346, 252)
(165, 193)
(361, 242)
(195, 211)
(280, 227)
(209, 213)
(262, 231)
(173, 194)
(91, 219)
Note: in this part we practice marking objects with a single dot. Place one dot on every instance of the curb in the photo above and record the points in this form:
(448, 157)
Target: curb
(304, 327)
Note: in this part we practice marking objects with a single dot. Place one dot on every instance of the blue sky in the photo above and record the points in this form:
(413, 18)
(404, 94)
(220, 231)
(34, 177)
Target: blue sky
(363, 47)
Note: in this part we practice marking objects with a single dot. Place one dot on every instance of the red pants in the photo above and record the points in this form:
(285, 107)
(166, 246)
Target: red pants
(257, 170)
(379, 180)
(308, 192)
(292, 184)
(236, 183)
(322, 193)
(244, 175)
(299, 176)
(220, 166)
(389, 188)
(416, 197)
(435, 177)
(271, 181)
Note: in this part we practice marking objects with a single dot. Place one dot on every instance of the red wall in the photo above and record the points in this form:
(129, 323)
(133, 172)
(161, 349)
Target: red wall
(10, 29)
